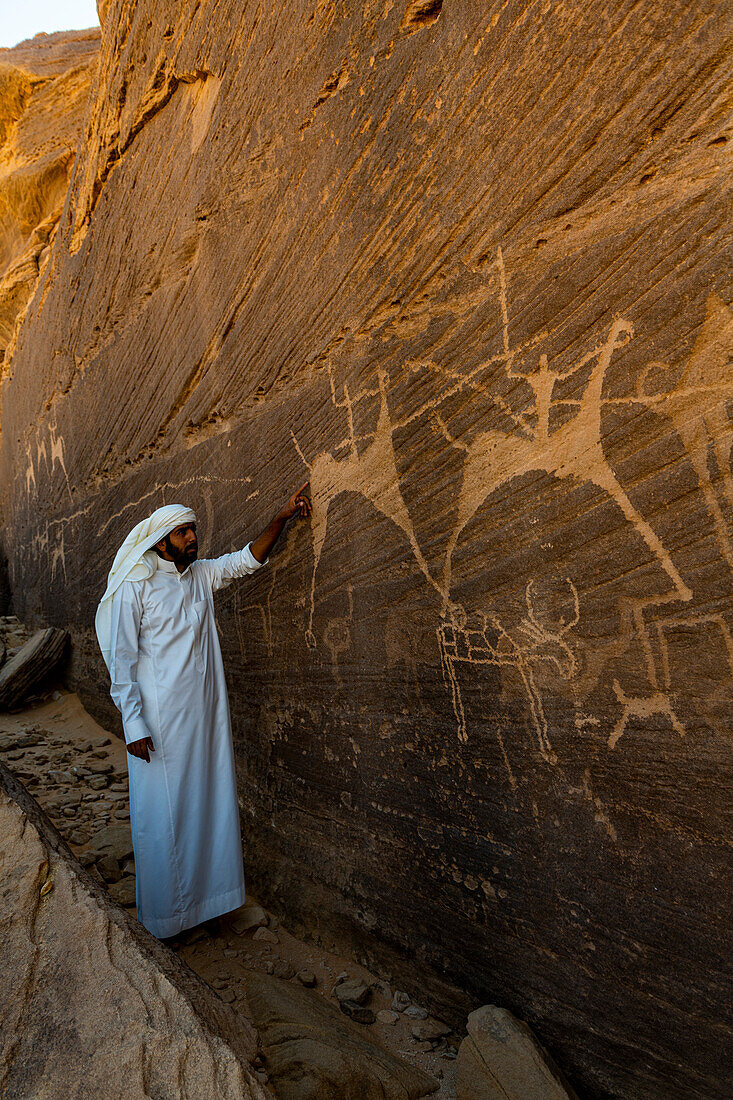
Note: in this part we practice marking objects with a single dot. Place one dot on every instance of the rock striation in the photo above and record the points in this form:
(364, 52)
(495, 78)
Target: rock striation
(463, 266)
(91, 1004)
(44, 88)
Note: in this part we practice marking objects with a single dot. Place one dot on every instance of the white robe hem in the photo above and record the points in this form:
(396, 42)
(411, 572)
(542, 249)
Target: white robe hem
(195, 914)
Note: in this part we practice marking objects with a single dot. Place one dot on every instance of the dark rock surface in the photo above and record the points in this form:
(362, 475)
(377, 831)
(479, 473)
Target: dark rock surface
(462, 265)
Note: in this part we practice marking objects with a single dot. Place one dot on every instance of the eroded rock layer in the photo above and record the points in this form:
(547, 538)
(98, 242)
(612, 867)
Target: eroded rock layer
(462, 265)
(91, 1004)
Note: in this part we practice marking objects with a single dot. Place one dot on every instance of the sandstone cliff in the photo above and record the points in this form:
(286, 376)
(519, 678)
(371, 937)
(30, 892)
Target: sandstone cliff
(44, 88)
(463, 266)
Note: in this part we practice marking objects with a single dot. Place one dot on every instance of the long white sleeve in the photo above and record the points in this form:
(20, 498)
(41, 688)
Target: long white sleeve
(125, 691)
(222, 571)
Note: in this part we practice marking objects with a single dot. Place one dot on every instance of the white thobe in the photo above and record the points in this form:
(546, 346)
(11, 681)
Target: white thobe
(168, 683)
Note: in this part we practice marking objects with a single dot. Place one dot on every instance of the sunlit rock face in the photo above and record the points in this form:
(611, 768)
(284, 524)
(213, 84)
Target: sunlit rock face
(44, 88)
(462, 266)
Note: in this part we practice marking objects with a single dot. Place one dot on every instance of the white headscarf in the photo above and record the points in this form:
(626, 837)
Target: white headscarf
(136, 561)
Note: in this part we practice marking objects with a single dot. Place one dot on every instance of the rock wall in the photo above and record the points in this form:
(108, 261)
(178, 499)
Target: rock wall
(44, 88)
(462, 265)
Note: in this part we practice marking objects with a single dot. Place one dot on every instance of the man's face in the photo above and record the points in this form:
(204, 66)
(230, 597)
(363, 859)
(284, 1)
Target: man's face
(181, 544)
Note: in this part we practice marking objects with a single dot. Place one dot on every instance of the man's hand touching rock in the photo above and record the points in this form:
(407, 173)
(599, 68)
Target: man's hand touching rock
(298, 504)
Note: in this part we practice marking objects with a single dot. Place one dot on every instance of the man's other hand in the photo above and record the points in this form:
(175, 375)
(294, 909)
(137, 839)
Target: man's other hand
(140, 748)
(298, 504)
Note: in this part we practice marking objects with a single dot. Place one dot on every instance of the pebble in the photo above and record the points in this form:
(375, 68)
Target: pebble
(265, 935)
(109, 868)
(387, 1016)
(98, 782)
(268, 966)
(252, 916)
(357, 1012)
(414, 1012)
(307, 978)
(68, 811)
(230, 952)
(382, 989)
(430, 1031)
(400, 1001)
(104, 767)
(357, 992)
(283, 969)
(123, 892)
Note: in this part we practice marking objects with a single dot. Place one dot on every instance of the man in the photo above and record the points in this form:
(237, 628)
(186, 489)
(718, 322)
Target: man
(156, 629)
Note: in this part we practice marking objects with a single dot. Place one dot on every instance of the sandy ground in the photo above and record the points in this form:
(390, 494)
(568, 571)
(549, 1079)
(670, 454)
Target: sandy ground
(77, 772)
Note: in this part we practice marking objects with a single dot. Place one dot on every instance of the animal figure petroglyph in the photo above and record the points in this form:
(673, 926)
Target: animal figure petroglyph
(696, 405)
(642, 707)
(570, 447)
(373, 474)
(572, 450)
(530, 644)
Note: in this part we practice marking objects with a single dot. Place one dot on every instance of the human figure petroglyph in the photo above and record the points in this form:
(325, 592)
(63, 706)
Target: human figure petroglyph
(531, 643)
(337, 635)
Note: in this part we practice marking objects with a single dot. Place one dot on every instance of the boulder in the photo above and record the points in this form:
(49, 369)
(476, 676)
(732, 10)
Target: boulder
(91, 1003)
(312, 1052)
(30, 665)
(500, 1059)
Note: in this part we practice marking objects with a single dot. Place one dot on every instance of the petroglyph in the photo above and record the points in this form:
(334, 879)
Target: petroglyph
(697, 407)
(524, 648)
(337, 635)
(373, 474)
(572, 450)
(566, 447)
(641, 707)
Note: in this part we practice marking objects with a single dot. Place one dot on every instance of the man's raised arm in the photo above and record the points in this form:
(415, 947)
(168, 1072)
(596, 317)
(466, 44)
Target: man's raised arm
(298, 504)
(223, 570)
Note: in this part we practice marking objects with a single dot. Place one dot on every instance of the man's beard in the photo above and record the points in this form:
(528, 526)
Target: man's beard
(182, 557)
